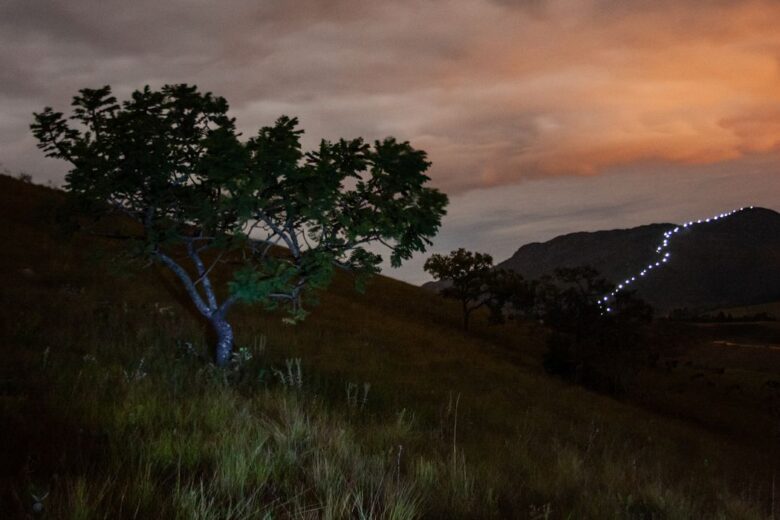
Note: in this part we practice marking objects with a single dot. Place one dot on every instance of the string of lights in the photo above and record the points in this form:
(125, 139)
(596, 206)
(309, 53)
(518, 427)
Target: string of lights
(663, 256)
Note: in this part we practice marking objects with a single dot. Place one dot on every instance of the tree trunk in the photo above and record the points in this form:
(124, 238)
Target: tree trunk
(224, 333)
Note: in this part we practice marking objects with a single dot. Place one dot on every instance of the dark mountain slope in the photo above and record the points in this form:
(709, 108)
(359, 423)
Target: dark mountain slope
(616, 254)
(730, 261)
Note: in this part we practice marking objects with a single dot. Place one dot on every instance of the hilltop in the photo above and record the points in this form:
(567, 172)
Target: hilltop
(108, 407)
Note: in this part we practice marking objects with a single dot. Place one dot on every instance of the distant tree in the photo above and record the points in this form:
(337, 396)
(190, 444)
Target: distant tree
(509, 295)
(590, 344)
(467, 274)
(172, 160)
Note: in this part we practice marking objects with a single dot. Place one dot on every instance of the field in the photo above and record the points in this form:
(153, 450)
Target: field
(772, 309)
(377, 406)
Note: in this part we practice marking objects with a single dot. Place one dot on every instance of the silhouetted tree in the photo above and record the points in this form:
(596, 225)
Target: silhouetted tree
(589, 344)
(508, 294)
(172, 160)
(467, 273)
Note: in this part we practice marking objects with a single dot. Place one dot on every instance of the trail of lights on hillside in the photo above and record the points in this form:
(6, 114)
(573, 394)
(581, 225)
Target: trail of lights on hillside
(664, 256)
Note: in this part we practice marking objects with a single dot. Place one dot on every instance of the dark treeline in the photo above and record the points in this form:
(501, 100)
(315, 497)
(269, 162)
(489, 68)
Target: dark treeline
(689, 315)
(595, 344)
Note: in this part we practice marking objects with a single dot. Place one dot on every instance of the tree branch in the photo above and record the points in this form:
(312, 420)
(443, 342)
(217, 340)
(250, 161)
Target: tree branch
(226, 305)
(276, 229)
(203, 276)
(186, 280)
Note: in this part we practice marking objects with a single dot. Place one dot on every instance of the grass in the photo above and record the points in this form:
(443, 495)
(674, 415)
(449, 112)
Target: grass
(109, 411)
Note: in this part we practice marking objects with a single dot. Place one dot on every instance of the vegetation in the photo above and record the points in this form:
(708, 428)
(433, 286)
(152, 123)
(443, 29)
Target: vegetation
(510, 296)
(172, 161)
(685, 314)
(108, 410)
(466, 274)
(595, 344)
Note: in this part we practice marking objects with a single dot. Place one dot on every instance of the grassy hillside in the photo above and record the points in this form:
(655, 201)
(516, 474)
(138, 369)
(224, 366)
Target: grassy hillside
(107, 408)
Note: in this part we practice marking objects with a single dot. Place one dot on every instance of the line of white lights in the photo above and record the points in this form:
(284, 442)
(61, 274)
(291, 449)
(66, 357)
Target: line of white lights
(663, 255)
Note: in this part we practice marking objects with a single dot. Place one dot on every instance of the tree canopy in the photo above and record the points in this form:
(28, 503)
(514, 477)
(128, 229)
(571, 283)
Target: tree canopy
(466, 274)
(173, 160)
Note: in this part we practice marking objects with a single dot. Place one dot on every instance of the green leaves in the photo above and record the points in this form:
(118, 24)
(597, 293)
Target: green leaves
(253, 284)
(467, 271)
(340, 197)
(172, 160)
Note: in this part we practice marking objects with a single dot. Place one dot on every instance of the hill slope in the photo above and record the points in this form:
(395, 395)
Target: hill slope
(729, 262)
(100, 409)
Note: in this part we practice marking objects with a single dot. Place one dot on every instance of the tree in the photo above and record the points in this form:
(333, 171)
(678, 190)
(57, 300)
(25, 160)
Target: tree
(172, 160)
(589, 344)
(508, 294)
(467, 273)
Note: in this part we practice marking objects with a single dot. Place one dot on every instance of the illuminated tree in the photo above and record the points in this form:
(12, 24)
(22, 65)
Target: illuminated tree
(172, 161)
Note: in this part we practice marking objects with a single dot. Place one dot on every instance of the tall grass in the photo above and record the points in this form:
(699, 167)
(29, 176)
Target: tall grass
(183, 442)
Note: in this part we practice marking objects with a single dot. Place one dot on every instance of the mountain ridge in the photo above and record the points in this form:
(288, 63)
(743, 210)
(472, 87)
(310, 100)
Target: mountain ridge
(729, 260)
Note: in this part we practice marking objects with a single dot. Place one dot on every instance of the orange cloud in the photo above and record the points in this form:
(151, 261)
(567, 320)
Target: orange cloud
(497, 91)
(675, 82)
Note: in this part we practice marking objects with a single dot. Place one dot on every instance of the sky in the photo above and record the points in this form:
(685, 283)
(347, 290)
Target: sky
(541, 117)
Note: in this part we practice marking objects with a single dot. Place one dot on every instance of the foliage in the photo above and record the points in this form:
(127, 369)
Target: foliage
(172, 160)
(509, 295)
(591, 343)
(467, 273)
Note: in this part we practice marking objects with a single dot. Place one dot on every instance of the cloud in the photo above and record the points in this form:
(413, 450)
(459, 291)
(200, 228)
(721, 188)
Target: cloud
(500, 219)
(498, 91)
(502, 94)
